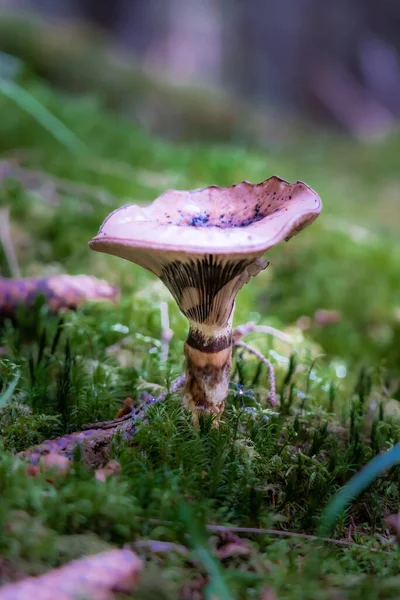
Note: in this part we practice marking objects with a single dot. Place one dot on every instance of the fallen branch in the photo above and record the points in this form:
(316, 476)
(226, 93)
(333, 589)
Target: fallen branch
(98, 435)
(139, 412)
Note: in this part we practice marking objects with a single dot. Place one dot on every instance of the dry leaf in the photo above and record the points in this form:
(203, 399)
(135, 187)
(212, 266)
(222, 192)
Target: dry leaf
(126, 408)
(97, 577)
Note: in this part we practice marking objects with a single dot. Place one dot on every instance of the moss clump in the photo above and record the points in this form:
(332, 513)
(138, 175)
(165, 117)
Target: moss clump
(337, 385)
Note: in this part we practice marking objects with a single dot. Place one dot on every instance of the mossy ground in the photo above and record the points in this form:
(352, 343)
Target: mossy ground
(338, 385)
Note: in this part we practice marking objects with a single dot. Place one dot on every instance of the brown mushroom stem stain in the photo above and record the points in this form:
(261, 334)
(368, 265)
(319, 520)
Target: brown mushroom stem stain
(208, 367)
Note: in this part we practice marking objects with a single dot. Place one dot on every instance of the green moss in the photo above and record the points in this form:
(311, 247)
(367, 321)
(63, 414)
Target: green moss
(261, 468)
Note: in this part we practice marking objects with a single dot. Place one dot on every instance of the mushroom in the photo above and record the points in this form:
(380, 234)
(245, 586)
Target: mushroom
(204, 245)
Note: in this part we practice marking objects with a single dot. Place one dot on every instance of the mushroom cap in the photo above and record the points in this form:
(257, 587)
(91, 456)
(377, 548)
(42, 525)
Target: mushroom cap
(242, 219)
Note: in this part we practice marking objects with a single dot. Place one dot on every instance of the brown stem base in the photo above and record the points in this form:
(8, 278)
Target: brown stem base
(208, 368)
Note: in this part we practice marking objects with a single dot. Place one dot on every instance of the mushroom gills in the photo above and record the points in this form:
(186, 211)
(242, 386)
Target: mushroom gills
(205, 288)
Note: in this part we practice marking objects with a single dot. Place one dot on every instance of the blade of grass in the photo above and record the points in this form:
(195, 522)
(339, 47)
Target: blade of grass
(47, 120)
(7, 394)
(217, 587)
(356, 485)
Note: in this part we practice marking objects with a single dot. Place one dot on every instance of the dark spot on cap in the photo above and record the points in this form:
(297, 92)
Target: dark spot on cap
(200, 220)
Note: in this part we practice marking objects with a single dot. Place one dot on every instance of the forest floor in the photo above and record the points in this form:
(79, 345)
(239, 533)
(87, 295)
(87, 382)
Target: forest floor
(264, 468)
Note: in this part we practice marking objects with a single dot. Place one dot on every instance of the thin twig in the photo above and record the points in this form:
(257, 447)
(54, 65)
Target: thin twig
(276, 532)
(100, 434)
(156, 546)
(291, 534)
(166, 332)
(7, 243)
(272, 392)
(107, 424)
(247, 328)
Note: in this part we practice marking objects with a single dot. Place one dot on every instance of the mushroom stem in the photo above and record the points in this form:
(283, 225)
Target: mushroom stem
(208, 351)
